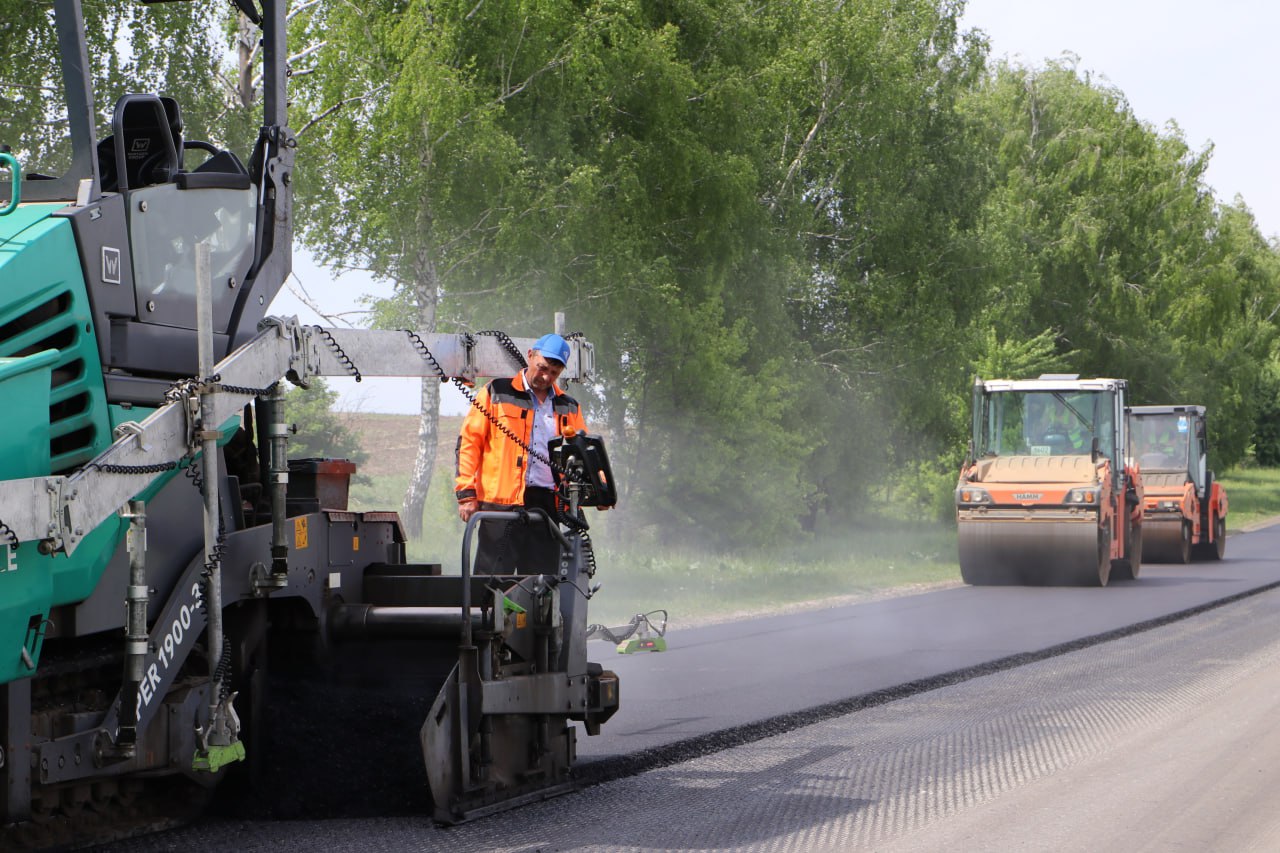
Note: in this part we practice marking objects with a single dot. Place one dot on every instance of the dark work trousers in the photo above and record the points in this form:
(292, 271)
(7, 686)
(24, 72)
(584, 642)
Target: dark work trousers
(511, 547)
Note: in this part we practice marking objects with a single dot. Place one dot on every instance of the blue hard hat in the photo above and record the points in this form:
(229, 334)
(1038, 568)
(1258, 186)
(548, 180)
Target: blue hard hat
(553, 347)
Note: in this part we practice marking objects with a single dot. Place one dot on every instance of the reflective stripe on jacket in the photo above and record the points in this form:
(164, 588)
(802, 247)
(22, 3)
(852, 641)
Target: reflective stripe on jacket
(490, 466)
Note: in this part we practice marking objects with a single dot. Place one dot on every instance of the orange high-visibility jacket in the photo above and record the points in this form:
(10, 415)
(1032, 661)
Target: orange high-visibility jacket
(491, 466)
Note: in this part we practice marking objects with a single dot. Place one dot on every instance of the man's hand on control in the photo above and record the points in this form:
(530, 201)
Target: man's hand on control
(466, 509)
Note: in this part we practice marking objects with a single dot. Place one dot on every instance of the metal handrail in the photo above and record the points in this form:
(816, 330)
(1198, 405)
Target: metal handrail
(15, 184)
(472, 523)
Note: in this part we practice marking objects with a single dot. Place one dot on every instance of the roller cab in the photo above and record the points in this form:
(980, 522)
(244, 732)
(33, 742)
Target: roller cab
(1047, 495)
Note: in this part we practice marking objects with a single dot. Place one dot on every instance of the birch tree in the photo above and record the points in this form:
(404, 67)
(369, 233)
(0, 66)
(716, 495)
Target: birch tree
(406, 170)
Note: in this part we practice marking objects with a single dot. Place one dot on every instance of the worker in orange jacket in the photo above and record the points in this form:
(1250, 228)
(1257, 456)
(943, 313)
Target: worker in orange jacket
(502, 460)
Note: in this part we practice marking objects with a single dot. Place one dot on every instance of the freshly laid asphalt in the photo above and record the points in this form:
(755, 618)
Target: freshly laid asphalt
(777, 671)
(731, 695)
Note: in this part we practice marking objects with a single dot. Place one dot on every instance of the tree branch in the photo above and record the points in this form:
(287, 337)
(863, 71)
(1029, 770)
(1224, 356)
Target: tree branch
(339, 105)
(299, 290)
(824, 113)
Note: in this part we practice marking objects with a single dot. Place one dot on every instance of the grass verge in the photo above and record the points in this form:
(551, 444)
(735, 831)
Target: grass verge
(1253, 495)
(700, 587)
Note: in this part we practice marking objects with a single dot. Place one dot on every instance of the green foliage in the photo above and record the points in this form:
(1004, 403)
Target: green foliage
(408, 172)
(173, 49)
(795, 232)
(924, 490)
(319, 433)
(879, 195)
(1266, 430)
(1102, 229)
(1016, 359)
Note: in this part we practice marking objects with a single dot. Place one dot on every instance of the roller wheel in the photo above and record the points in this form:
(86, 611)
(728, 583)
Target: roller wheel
(1130, 565)
(1104, 560)
(975, 574)
(1184, 548)
(1217, 549)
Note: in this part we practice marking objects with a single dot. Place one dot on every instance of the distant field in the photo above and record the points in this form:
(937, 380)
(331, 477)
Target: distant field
(392, 442)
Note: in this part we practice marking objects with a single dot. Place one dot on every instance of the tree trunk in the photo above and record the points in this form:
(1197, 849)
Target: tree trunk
(246, 38)
(426, 294)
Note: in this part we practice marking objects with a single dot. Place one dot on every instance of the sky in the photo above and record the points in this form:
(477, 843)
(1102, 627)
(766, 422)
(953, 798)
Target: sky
(1208, 67)
(337, 296)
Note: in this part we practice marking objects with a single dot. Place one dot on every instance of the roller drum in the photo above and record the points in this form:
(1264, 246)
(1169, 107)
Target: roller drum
(1166, 541)
(1033, 552)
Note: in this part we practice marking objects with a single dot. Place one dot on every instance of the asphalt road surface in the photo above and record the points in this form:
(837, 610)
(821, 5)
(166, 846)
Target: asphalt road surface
(1135, 717)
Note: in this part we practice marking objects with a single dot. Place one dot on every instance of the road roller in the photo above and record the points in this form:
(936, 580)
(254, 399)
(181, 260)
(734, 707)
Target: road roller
(1184, 513)
(1047, 493)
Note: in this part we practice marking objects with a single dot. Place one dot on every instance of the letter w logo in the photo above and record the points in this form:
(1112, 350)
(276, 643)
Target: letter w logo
(110, 265)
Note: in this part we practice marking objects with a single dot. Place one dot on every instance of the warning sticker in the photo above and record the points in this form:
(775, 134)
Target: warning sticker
(300, 532)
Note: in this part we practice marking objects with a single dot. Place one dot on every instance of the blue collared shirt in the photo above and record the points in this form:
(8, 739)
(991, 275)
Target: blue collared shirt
(544, 429)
